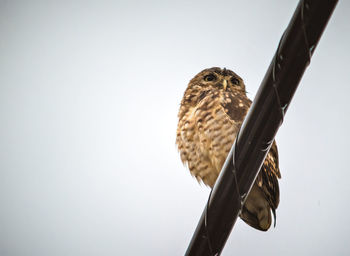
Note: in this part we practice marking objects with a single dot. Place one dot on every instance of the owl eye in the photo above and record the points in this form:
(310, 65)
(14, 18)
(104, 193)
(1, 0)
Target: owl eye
(234, 81)
(209, 78)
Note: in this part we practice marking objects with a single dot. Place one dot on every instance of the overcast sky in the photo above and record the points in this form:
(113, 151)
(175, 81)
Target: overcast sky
(89, 95)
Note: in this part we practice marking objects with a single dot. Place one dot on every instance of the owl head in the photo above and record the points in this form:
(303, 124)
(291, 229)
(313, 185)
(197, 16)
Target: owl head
(211, 81)
(218, 79)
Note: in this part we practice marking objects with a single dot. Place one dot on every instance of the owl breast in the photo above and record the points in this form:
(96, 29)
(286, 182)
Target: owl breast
(205, 135)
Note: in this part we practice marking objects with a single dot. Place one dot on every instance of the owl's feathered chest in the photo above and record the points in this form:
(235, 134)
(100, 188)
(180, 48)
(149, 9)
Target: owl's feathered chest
(207, 130)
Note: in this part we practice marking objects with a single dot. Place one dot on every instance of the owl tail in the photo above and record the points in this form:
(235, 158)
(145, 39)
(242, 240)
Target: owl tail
(256, 211)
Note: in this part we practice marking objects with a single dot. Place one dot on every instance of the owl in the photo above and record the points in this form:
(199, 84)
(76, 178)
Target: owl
(211, 113)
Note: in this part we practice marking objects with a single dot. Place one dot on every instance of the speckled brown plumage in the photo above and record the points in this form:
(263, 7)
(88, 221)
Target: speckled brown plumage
(211, 113)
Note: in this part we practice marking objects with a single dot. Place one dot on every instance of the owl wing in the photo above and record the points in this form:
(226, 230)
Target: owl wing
(268, 176)
(267, 179)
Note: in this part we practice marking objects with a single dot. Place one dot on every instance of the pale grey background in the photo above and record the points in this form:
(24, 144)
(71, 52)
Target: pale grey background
(89, 94)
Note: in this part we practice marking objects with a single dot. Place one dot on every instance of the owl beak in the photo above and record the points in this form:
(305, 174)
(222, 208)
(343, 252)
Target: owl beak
(224, 84)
